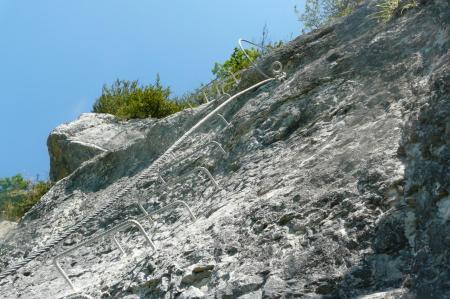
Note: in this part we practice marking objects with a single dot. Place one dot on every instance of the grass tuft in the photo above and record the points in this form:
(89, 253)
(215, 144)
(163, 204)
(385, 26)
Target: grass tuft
(389, 8)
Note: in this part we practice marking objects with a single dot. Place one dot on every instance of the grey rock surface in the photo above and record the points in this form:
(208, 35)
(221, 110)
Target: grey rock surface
(335, 183)
(71, 144)
(6, 227)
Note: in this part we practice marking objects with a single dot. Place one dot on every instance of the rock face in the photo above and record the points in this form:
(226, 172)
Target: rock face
(335, 183)
(71, 144)
(5, 228)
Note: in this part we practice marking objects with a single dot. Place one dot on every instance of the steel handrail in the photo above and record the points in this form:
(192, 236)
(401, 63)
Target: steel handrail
(240, 41)
(122, 226)
(148, 215)
(161, 179)
(227, 123)
(277, 66)
(219, 81)
(163, 159)
(219, 146)
(206, 171)
(116, 242)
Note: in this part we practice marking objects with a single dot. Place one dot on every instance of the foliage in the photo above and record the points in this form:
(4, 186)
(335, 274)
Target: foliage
(127, 99)
(18, 196)
(388, 8)
(237, 62)
(322, 12)
(16, 182)
(194, 98)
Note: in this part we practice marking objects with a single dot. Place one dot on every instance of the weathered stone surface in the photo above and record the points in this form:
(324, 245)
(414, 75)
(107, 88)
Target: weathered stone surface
(71, 144)
(335, 183)
(5, 228)
(192, 293)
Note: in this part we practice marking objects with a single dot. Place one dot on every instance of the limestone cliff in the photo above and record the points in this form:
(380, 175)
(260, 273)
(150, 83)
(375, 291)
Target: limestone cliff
(334, 182)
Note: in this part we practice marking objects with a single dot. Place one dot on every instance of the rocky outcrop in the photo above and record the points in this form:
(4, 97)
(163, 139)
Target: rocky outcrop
(71, 144)
(335, 183)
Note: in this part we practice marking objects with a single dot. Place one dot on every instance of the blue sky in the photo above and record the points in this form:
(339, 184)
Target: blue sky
(56, 55)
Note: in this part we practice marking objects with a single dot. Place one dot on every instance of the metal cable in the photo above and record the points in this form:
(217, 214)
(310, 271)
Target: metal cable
(153, 168)
(277, 67)
(248, 56)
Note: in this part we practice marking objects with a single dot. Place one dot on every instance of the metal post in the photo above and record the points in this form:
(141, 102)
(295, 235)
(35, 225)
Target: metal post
(206, 171)
(223, 91)
(193, 218)
(175, 203)
(161, 179)
(248, 57)
(144, 211)
(139, 226)
(223, 119)
(118, 245)
(233, 76)
(219, 146)
(63, 274)
(277, 67)
(113, 230)
(218, 91)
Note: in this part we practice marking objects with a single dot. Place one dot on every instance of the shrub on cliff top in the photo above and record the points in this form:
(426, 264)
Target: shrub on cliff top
(127, 100)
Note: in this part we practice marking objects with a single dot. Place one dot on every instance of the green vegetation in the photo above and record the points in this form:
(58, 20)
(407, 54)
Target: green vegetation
(128, 99)
(18, 196)
(235, 63)
(388, 8)
(322, 12)
(222, 72)
(238, 61)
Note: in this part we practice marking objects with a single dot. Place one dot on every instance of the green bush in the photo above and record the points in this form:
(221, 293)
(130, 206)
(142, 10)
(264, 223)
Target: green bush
(128, 99)
(237, 62)
(322, 12)
(18, 196)
(222, 71)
